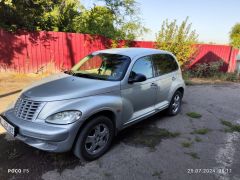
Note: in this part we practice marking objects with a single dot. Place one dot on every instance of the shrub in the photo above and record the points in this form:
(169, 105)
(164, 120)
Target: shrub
(233, 77)
(178, 39)
(211, 69)
(235, 36)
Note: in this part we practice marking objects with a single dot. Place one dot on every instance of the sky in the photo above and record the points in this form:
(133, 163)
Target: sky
(212, 19)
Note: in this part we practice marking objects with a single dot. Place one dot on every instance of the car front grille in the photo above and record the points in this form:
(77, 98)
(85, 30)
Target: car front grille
(26, 109)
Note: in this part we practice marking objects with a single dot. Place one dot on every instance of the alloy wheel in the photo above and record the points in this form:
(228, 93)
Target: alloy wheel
(97, 139)
(176, 103)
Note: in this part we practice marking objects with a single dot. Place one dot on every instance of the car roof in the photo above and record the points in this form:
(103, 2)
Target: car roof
(133, 51)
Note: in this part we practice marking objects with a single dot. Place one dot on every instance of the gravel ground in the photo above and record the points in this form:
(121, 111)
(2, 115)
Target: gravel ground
(161, 147)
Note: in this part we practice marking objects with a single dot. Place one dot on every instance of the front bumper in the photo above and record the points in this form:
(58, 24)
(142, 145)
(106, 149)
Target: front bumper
(44, 136)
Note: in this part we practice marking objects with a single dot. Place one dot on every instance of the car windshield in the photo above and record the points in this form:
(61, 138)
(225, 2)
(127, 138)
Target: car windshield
(102, 66)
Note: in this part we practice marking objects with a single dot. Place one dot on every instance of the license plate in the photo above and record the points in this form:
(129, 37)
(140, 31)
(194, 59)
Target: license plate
(10, 128)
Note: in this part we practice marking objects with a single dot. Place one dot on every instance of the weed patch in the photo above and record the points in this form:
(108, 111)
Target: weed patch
(193, 155)
(198, 139)
(149, 136)
(186, 144)
(231, 127)
(201, 131)
(194, 115)
(157, 174)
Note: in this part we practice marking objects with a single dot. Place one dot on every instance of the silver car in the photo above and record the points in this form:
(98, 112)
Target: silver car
(84, 108)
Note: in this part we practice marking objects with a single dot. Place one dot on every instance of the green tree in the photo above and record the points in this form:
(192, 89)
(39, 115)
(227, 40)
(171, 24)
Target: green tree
(98, 20)
(177, 39)
(34, 15)
(235, 36)
(25, 14)
(116, 19)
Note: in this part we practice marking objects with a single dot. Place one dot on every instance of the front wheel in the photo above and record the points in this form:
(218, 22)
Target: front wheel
(94, 139)
(175, 104)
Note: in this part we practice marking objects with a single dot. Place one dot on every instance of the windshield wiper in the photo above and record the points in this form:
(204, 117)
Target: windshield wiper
(78, 74)
(70, 72)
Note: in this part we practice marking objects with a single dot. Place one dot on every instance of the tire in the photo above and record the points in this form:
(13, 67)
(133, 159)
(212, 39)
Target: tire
(175, 104)
(94, 139)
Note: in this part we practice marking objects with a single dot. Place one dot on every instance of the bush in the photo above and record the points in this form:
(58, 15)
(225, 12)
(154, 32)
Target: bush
(233, 77)
(211, 69)
(178, 39)
(187, 74)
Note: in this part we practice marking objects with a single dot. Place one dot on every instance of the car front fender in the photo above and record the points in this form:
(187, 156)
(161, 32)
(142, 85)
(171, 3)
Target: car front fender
(87, 105)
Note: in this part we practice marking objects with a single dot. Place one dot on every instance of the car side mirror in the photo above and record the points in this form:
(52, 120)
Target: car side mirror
(137, 78)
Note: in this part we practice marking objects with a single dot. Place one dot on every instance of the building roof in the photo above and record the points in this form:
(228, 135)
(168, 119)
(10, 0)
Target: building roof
(132, 52)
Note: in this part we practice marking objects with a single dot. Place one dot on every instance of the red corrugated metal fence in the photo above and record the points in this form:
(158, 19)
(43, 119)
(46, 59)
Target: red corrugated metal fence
(211, 53)
(32, 52)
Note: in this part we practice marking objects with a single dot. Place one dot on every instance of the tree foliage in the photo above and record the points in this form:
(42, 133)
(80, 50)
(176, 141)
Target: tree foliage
(98, 20)
(235, 36)
(177, 39)
(35, 15)
(116, 19)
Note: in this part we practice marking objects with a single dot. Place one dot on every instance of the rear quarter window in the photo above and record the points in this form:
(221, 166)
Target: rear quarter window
(163, 64)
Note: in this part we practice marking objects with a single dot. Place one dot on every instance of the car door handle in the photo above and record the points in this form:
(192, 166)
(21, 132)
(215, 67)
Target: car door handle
(153, 85)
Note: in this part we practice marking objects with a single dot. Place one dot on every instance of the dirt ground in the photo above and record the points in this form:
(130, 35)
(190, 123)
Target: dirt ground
(11, 85)
(202, 142)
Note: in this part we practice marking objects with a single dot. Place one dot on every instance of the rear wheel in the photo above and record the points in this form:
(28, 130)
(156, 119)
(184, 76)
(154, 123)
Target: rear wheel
(94, 139)
(175, 104)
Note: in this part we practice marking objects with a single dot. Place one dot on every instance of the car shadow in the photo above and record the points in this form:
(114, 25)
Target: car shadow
(30, 161)
(144, 133)
(17, 155)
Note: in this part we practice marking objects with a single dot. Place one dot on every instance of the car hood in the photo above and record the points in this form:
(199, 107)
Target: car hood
(63, 86)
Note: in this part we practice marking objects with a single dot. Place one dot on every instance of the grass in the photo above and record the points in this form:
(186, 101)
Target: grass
(191, 78)
(201, 131)
(106, 174)
(189, 83)
(227, 130)
(186, 144)
(194, 115)
(13, 154)
(197, 139)
(204, 81)
(226, 123)
(231, 127)
(149, 136)
(151, 139)
(164, 133)
(193, 155)
(157, 174)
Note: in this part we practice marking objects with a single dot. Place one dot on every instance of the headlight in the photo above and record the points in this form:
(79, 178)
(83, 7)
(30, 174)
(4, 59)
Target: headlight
(65, 117)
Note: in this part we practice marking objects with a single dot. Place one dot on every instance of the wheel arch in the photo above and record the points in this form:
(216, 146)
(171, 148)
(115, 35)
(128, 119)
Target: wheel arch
(181, 89)
(105, 112)
(173, 90)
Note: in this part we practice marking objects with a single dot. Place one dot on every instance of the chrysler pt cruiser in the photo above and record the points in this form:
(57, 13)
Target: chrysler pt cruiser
(84, 108)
